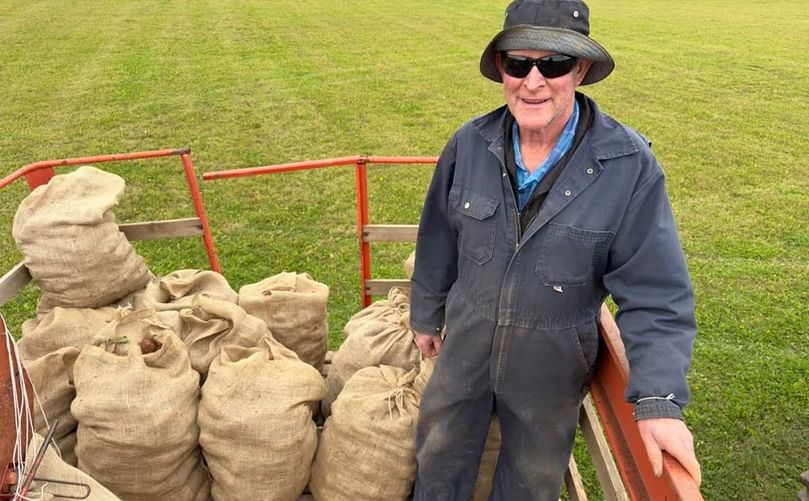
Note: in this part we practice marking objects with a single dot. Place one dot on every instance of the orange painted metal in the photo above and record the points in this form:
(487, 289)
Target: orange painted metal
(361, 176)
(199, 207)
(360, 163)
(276, 169)
(39, 173)
(315, 164)
(607, 389)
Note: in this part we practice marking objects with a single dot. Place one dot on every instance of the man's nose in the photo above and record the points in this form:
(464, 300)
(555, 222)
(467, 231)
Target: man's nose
(534, 78)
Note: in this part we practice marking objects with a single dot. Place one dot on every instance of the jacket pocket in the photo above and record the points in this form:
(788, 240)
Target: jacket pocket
(476, 226)
(587, 340)
(568, 255)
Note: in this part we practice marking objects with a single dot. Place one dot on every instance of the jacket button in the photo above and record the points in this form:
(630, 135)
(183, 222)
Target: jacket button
(466, 205)
(568, 193)
(590, 170)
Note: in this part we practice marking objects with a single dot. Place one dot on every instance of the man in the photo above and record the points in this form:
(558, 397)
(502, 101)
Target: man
(536, 212)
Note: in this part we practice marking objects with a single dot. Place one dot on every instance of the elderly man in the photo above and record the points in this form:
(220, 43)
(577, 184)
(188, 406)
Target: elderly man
(535, 213)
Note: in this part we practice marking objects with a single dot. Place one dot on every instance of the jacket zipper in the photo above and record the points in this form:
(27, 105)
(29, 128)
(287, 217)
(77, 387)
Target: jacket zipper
(518, 232)
(517, 229)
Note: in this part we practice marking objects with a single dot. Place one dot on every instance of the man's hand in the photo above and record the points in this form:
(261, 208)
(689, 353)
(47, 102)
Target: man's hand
(672, 436)
(430, 345)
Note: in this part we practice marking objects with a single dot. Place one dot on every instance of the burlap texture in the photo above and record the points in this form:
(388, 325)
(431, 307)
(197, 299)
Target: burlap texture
(133, 300)
(366, 449)
(294, 308)
(52, 378)
(410, 264)
(488, 463)
(60, 328)
(256, 426)
(392, 309)
(426, 367)
(53, 467)
(382, 339)
(137, 431)
(67, 449)
(177, 290)
(71, 244)
(211, 324)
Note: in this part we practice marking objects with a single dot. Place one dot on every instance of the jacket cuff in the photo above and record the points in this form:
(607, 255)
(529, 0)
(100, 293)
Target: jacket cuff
(426, 328)
(658, 409)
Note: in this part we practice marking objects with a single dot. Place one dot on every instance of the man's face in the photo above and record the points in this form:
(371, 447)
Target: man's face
(541, 104)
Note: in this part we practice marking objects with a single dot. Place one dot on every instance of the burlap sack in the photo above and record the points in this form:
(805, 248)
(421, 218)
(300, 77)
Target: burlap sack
(67, 448)
(52, 379)
(426, 367)
(211, 324)
(255, 420)
(410, 264)
(294, 308)
(366, 449)
(176, 291)
(71, 244)
(133, 300)
(60, 328)
(137, 431)
(370, 343)
(52, 467)
(392, 309)
(488, 463)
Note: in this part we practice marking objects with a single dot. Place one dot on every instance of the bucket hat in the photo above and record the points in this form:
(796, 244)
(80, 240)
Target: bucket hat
(560, 26)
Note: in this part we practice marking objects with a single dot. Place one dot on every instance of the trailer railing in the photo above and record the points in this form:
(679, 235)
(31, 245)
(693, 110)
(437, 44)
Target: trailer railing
(39, 173)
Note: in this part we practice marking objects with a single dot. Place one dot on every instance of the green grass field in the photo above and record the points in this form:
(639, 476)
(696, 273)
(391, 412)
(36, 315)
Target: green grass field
(719, 86)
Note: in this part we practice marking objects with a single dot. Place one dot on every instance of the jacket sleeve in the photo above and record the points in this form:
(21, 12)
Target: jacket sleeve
(436, 266)
(648, 279)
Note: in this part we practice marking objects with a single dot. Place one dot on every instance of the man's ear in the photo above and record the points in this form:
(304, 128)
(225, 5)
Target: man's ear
(581, 70)
(498, 62)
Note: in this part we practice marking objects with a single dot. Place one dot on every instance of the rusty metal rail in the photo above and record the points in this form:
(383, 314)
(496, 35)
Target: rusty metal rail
(40, 173)
(368, 287)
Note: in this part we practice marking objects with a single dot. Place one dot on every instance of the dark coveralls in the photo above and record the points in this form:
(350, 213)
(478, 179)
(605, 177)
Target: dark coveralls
(521, 307)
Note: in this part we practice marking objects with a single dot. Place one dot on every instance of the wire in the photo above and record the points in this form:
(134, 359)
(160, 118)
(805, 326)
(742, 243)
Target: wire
(23, 420)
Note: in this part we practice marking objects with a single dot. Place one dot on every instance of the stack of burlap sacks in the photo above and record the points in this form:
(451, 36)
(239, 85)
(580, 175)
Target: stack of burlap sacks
(180, 388)
(373, 394)
(172, 388)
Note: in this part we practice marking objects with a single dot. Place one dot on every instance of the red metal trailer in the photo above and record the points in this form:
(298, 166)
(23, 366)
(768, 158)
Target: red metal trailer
(606, 421)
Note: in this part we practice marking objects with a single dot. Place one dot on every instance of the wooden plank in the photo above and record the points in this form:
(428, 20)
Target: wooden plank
(607, 472)
(378, 287)
(573, 483)
(153, 230)
(389, 232)
(16, 278)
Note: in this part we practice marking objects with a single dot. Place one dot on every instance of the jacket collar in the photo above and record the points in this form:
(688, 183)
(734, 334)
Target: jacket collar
(606, 138)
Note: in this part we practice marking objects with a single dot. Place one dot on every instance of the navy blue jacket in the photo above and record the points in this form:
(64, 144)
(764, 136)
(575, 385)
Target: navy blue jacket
(606, 227)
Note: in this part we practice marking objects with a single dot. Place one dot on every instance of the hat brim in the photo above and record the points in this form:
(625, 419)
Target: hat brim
(551, 39)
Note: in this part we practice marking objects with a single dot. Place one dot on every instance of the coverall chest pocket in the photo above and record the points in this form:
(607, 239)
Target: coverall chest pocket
(568, 255)
(476, 223)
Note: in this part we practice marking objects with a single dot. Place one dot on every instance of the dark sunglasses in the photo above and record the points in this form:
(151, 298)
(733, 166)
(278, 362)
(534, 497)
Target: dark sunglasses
(549, 66)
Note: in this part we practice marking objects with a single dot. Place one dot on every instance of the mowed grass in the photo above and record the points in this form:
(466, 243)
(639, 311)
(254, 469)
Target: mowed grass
(720, 88)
